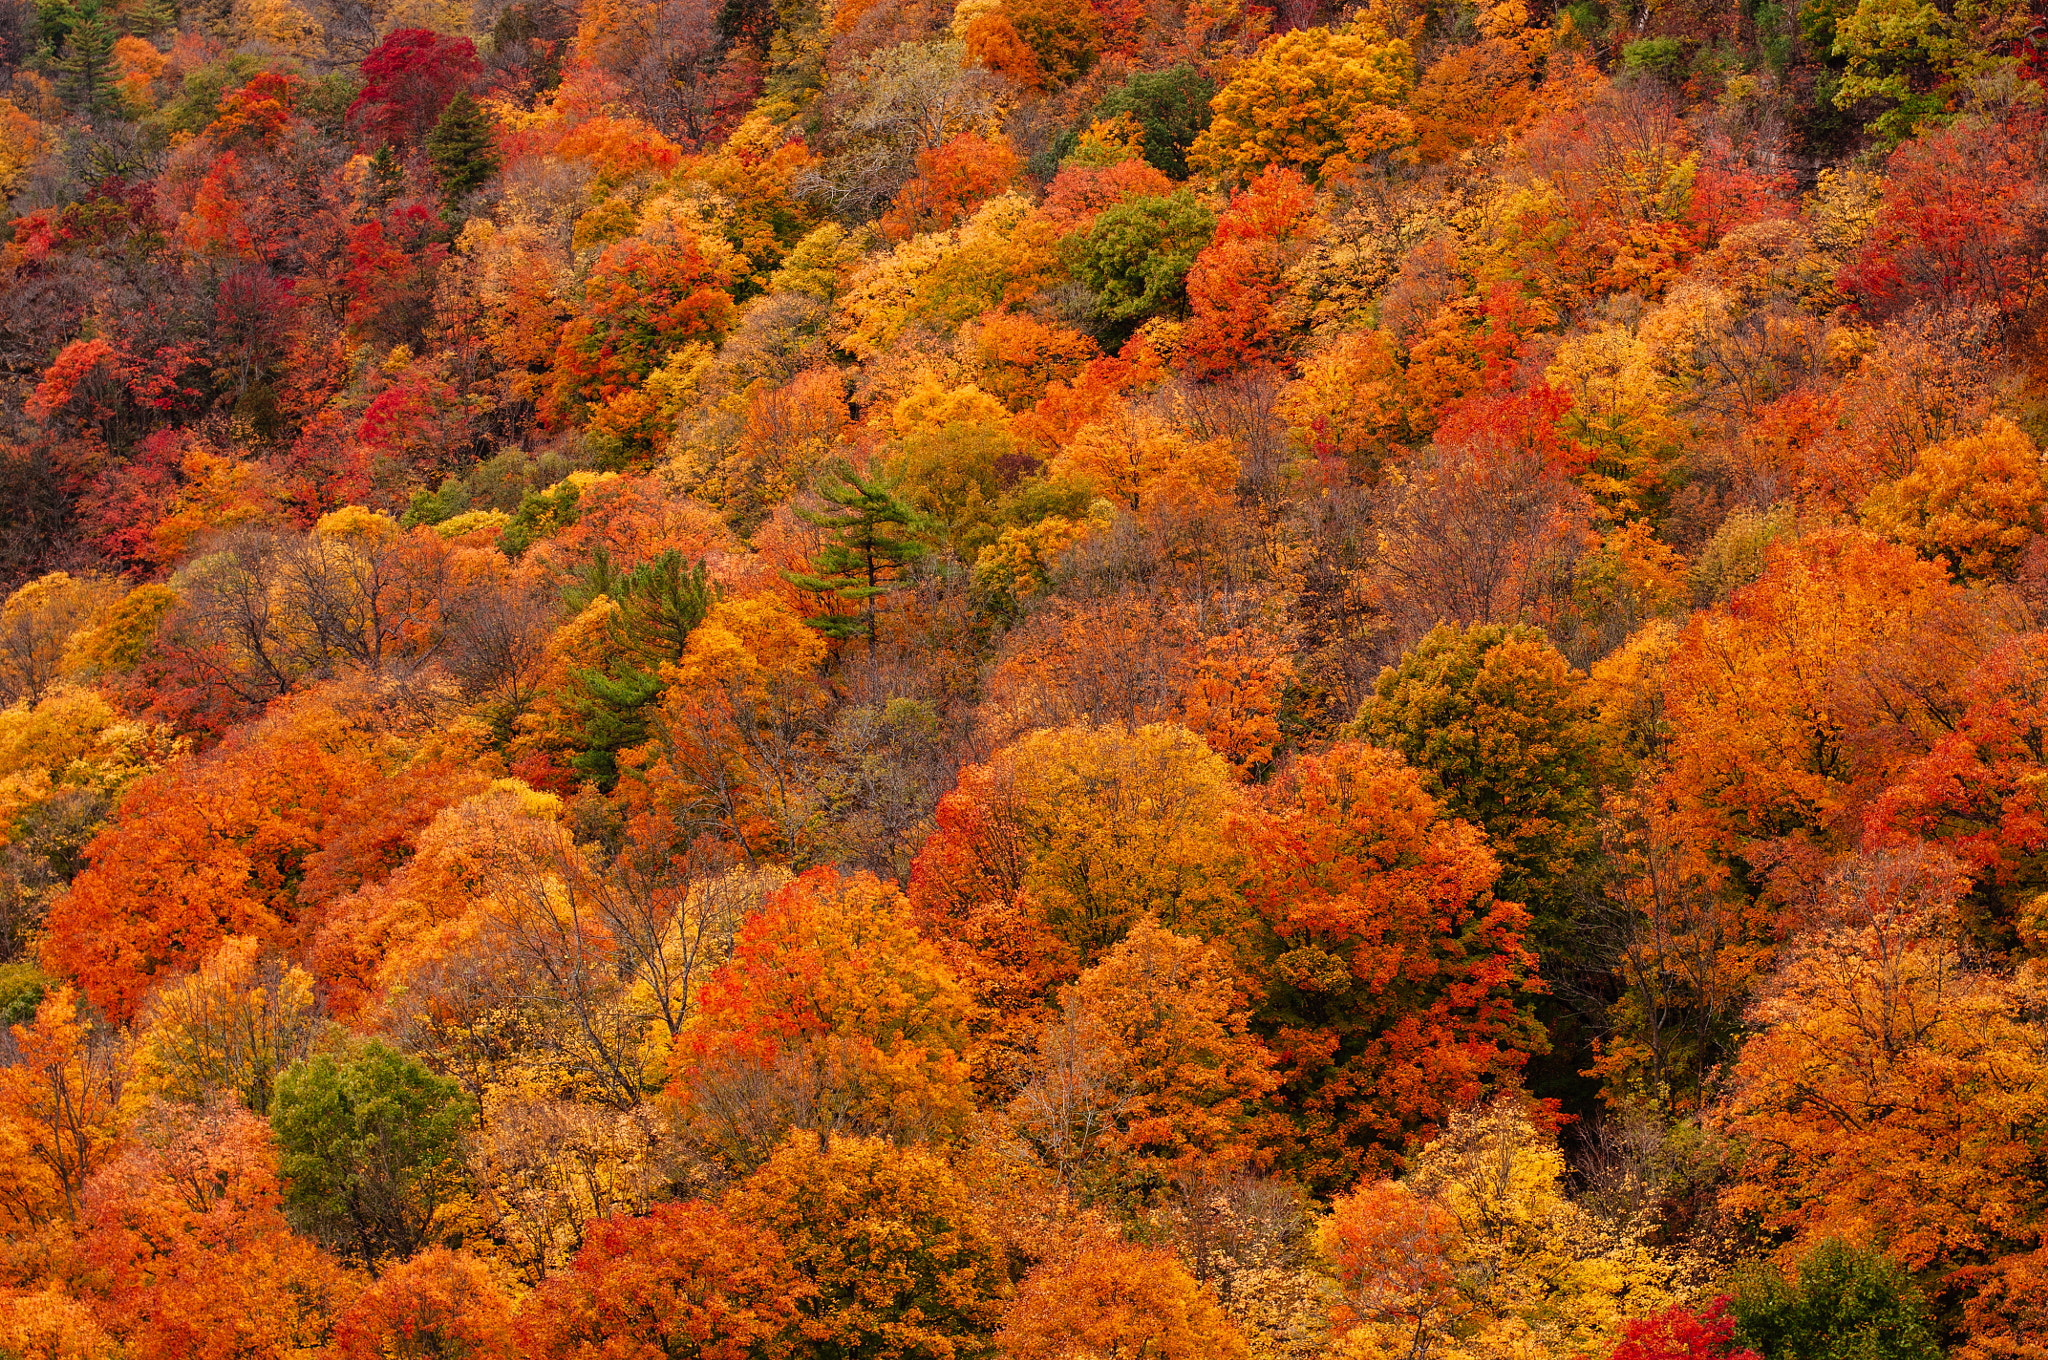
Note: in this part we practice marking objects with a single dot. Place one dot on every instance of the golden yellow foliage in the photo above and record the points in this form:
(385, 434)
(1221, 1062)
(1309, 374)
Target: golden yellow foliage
(1320, 99)
(232, 1026)
(1976, 500)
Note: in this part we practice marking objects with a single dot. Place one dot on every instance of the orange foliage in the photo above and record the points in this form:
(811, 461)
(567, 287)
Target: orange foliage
(1116, 1298)
(1394, 981)
(187, 1228)
(952, 181)
(439, 1303)
(831, 1015)
(681, 1282)
(210, 847)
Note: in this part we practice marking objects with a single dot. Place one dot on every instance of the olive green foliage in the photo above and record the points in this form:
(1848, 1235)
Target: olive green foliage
(370, 1148)
(1843, 1303)
(1136, 256)
(1170, 107)
(1501, 728)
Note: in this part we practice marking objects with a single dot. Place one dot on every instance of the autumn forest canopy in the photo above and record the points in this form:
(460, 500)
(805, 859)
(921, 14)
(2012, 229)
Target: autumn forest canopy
(1023, 680)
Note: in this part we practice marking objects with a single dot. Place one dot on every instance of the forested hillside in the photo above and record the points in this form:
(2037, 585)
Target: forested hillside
(1035, 680)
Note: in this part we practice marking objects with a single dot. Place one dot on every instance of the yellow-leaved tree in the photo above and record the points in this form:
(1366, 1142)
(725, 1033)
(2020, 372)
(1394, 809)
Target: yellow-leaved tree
(1321, 99)
(232, 1026)
(1479, 1253)
(1976, 500)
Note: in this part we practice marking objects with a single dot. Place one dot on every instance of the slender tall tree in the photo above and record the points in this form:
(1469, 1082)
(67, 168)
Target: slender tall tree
(875, 540)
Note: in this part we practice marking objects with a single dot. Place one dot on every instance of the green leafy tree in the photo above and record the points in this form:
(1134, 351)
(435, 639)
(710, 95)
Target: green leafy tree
(1844, 1303)
(1137, 255)
(460, 147)
(369, 1144)
(1502, 730)
(540, 514)
(1170, 107)
(874, 542)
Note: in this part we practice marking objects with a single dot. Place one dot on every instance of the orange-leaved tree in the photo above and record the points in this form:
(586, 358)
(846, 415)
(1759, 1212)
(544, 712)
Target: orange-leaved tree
(1044, 857)
(1117, 1298)
(1150, 1067)
(187, 1233)
(831, 1015)
(900, 1261)
(684, 1281)
(439, 1303)
(1898, 1093)
(1395, 985)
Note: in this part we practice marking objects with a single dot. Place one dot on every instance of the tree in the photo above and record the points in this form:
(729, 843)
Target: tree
(1478, 1247)
(38, 623)
(1502, 731)
(1135, 460)
(1046, 856)
(370, 1149)
(1171, 109)
(1959, 225)
(440, 1305)
(1682, 1334)
(1977, 792)
(1062, 36)
(900, 100)
(1809, 690)
(408, 80)
(185, 1241)
(683, 1281)
(1472, 95)
(1149, 1069)
(739, 727)
(873, 545)
(831, 1015)
(393, 260)
(903, 1266)
(1319, 99)
(1136, 255)
(201, 850)
(952, 181)
(1483, 526)
(1916, 60)
(1394, 982)
(235, 1025)
(1841, 1301)
(460, 147)
(59, 1101)
(1894, 1092)
(1976, 500)
(1116, 1298)
(649, 615)
(645, 297)
(1237, 287)
(51, 1325)
(85, 61)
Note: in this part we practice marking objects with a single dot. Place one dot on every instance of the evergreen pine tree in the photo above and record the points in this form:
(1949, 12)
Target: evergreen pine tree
(873, 543)
(659, 604)
(387, 176)
(460, 147)
(85, 64)
(152, 17)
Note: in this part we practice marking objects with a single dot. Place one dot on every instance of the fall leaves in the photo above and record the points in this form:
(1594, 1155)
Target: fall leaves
(1037, 678)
